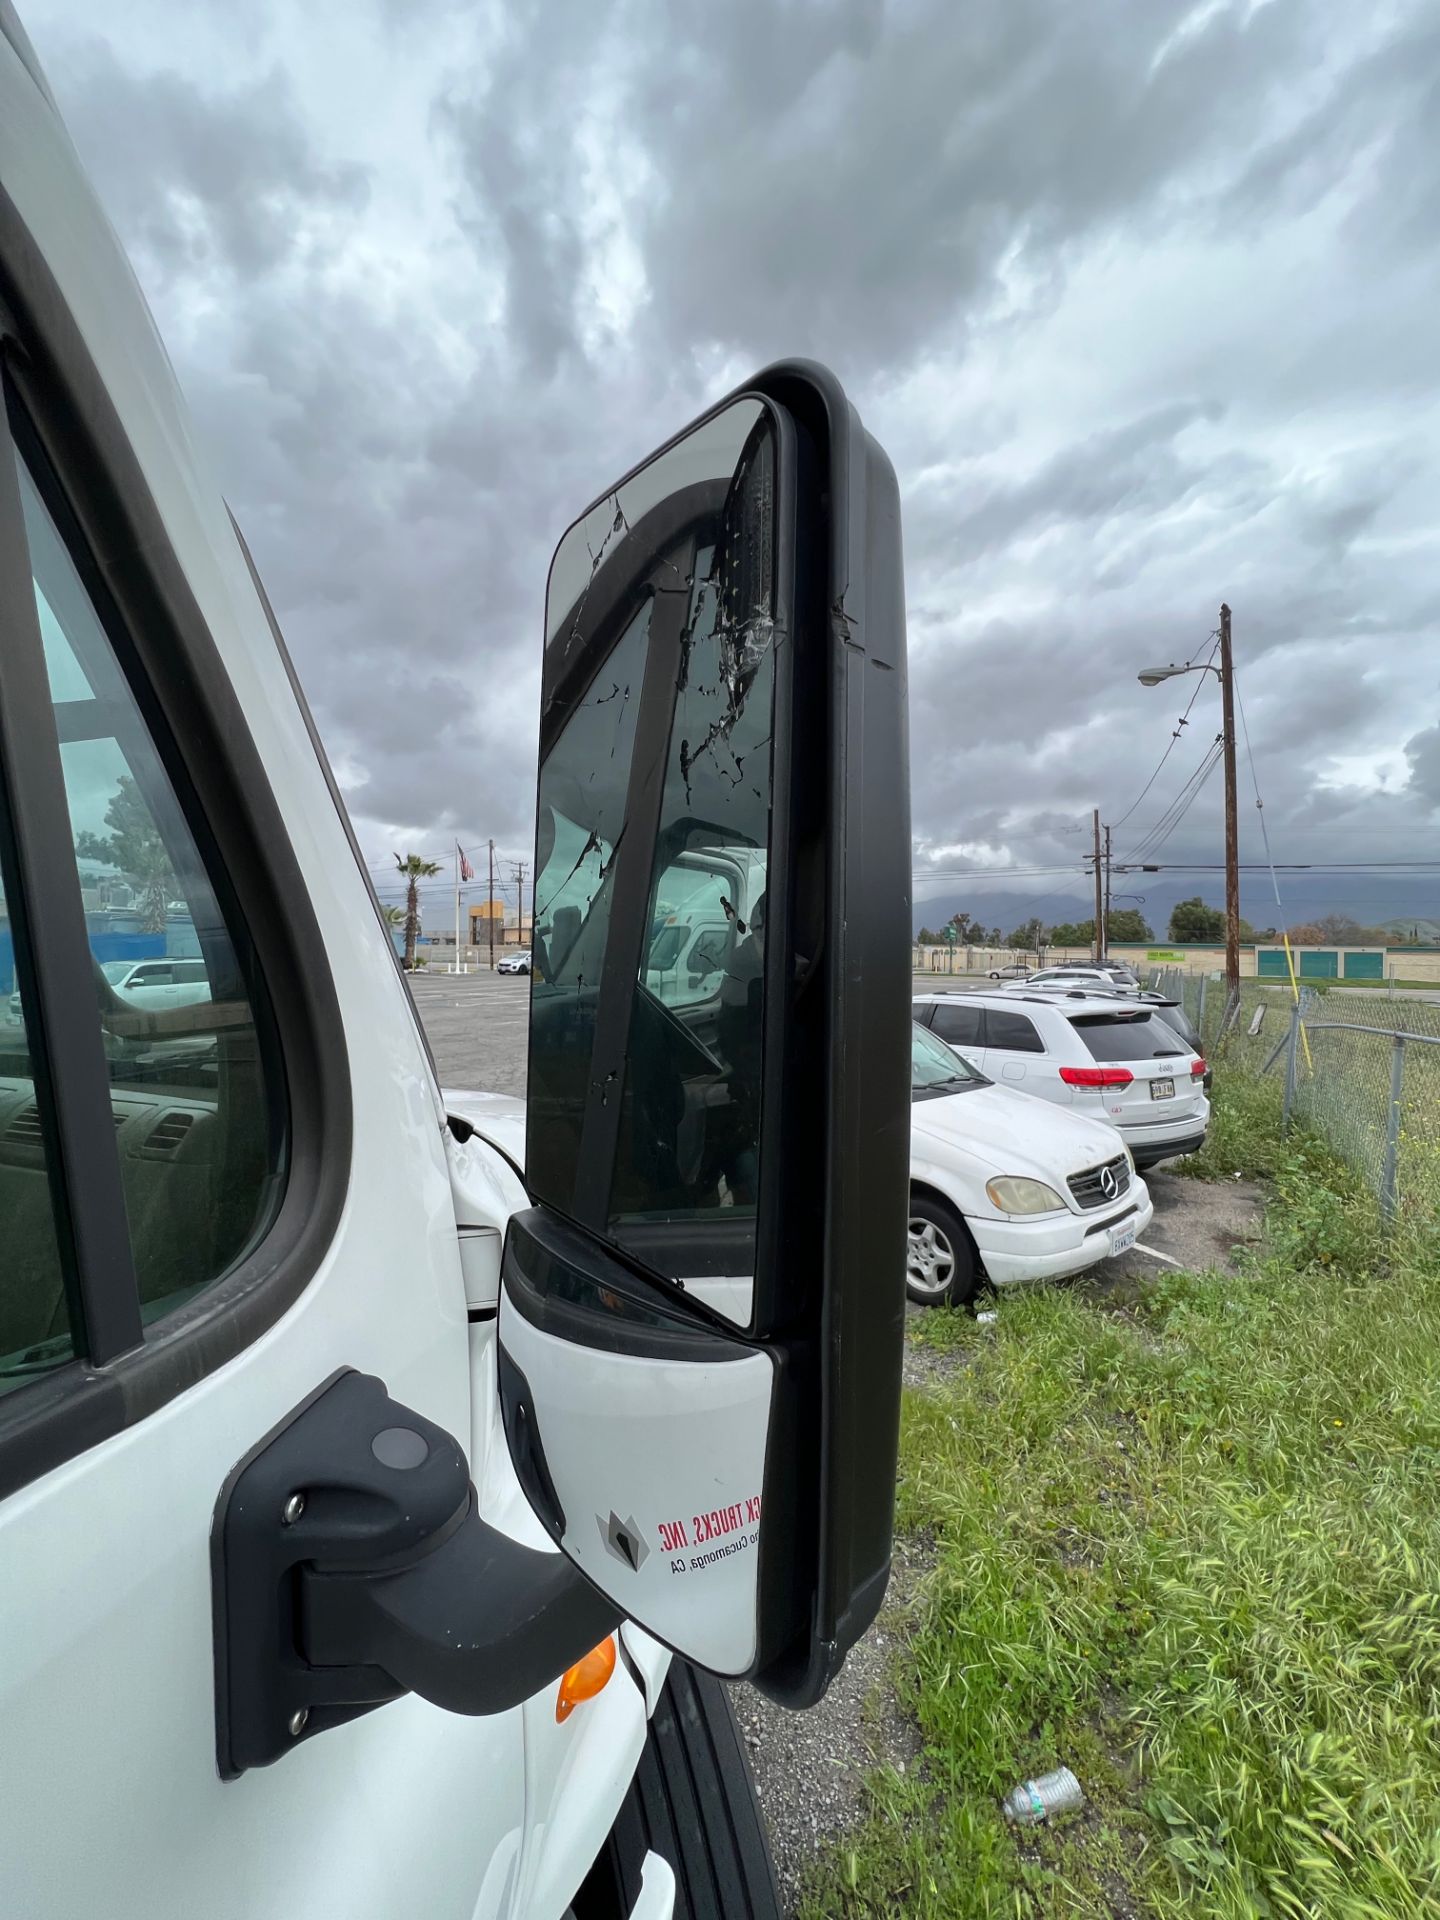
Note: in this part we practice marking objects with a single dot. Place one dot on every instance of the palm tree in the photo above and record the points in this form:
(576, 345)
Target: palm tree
(413, 869)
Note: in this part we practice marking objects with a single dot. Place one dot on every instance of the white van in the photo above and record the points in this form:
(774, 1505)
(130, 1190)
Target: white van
(378, 1502)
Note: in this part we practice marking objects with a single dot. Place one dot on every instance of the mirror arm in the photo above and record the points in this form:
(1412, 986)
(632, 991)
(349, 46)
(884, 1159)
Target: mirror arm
(350, 1565)
(475, 1627)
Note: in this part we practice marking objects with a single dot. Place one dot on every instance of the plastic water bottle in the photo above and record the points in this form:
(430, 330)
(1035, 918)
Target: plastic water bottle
(1035, 1801)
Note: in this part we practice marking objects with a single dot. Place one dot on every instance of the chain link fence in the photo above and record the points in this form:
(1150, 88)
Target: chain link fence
(1249, 1036)
(1370, 1084)
(1362, 1070)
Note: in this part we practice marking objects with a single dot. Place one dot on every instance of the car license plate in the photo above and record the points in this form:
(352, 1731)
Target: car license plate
(1121, 1239)
(1162, 1089)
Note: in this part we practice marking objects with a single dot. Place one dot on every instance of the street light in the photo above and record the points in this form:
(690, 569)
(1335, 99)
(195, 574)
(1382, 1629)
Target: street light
(1152, 676)
(1225, 674)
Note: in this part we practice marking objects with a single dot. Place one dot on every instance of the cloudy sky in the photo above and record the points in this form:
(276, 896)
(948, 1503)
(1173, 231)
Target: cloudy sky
(1141, 298)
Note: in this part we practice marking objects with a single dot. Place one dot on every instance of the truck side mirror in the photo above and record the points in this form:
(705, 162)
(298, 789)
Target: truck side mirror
(701, 1315)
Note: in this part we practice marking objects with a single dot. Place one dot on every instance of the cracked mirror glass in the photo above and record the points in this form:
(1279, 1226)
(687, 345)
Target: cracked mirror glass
(652, 853)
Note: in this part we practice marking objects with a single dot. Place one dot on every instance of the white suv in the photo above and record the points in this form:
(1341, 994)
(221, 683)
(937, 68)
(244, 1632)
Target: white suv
(1094, 1053)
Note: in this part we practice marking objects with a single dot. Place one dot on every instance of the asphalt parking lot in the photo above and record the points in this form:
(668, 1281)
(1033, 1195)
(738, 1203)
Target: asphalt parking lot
(476, 1023)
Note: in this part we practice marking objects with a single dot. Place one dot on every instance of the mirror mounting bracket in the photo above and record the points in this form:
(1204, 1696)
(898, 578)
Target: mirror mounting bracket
(350, 1565)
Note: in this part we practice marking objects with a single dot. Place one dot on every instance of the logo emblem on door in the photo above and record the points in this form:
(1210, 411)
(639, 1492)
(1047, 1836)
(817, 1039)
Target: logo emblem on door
(1109, 1185)
(624, 1539)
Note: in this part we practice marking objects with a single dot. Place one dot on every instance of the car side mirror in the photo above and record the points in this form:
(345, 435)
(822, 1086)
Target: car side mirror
(701, 1316)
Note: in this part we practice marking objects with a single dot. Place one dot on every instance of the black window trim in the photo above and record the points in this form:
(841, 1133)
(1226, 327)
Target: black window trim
(42, 891)
(201, 733)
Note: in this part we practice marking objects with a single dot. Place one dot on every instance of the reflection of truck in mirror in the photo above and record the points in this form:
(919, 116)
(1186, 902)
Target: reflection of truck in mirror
(703, 911)
(378, 1506)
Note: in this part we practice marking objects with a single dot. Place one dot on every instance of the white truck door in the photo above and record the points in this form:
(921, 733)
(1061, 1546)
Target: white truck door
(206, 1211)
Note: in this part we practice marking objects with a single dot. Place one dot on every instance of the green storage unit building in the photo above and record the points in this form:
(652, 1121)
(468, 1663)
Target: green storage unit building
(1318, 963)
(1364, 966)
(1322, 963)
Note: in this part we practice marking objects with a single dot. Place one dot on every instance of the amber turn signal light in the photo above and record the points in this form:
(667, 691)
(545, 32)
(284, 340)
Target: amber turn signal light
(586, 1678)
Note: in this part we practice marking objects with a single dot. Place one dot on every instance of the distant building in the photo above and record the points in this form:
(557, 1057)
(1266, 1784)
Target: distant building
(510, 931)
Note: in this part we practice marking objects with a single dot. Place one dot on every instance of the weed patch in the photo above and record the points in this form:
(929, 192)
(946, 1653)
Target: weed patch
(1192, 1551)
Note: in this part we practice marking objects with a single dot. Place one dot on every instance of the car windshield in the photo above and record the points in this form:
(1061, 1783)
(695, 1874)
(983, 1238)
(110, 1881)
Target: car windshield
(934, 1065)
(115, 970)
(1134, 1036)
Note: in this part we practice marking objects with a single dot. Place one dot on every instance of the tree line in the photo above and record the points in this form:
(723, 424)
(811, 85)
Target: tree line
(1191, 920)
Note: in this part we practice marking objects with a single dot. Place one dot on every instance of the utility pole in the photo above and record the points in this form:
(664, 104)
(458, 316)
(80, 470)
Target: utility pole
(1232, 815)
(1099, 893)
(1105, 923)
(1225, 672)
(490, 916)
(518, 871)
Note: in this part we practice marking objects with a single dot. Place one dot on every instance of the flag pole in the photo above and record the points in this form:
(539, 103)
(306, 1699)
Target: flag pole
(456, 967)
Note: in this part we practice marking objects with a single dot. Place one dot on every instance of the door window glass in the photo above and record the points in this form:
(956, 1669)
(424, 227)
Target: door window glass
(959, 1025)
(198, 1124)
(1012, 1032)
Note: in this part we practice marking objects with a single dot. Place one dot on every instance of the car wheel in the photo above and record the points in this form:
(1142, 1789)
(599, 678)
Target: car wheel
(940, 1264)
(693, 1802)
(993, 974)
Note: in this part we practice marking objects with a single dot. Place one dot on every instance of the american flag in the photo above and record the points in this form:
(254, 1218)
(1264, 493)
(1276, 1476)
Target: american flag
(467, 872)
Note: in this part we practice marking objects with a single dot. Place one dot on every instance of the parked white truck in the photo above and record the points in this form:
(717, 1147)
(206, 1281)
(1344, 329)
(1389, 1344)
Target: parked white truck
(377, 1507)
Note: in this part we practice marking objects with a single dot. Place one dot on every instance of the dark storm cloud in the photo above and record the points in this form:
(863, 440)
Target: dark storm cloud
(199, 177)
(1132, 468)
(851, 175)
(1141, 310)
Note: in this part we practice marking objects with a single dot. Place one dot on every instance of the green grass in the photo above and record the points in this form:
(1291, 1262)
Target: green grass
(1190, 1546)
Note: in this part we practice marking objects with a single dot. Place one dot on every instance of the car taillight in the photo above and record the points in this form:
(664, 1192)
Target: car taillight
(1197, 1069)
(1096, 1076)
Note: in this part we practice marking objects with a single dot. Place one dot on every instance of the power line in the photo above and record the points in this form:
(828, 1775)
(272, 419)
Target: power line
(1180, 728)
(1180, 805)
(1259, 805)
(1006, 873)
(1283, 866)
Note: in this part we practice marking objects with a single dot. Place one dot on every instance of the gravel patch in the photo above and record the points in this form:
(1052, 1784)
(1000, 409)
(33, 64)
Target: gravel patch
(810, 1767)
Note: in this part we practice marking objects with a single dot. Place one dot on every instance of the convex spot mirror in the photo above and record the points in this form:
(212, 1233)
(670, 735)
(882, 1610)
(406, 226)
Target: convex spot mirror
(701, 1315)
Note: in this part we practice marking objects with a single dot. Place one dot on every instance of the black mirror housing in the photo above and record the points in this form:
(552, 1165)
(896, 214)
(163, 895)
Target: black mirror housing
(755, 1139)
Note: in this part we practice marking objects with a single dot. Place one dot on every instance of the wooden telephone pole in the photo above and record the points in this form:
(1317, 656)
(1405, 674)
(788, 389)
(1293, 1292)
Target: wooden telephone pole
(1099, 893)
(1232, 814)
